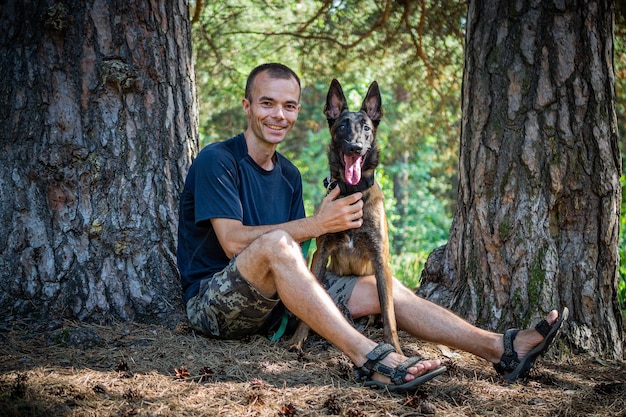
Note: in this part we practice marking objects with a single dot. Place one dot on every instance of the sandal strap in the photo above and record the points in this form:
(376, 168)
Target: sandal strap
(543, 327)
(509, 360)
(399, 372)
(373, 364)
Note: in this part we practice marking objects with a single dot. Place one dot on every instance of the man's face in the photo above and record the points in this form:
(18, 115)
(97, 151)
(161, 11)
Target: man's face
(273, 108)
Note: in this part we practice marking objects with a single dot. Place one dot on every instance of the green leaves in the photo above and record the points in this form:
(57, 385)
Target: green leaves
(415, 52)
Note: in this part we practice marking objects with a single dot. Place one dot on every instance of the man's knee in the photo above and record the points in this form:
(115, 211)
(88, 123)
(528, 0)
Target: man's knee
(278, 243)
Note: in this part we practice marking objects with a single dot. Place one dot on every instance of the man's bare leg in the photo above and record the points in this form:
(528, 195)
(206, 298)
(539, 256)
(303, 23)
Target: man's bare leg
(432, 323)
(274, 265)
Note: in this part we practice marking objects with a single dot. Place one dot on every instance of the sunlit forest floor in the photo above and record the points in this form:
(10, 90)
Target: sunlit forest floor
(72, 369)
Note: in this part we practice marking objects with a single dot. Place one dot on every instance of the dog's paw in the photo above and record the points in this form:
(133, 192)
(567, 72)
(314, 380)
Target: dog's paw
(295, 345)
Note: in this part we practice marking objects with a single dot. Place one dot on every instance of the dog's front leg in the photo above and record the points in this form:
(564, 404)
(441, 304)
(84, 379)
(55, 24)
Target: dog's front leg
(300, 335)
(384, 284)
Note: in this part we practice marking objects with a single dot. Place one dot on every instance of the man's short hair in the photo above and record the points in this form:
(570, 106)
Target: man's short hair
(275, 70)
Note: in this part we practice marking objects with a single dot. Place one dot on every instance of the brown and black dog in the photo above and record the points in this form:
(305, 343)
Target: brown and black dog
(353, 156)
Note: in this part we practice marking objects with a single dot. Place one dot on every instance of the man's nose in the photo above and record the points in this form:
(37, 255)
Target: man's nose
(279, 112)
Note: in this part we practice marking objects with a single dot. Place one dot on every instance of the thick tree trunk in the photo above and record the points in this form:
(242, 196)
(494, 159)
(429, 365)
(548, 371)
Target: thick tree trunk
(99, 112)
(539, 195)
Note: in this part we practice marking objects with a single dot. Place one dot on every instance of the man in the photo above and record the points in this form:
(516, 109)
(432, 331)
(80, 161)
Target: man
(241, 225)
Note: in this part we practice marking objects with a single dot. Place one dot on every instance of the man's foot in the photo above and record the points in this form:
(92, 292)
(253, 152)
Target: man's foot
(521, 348)
(527, 339)
(386, 369)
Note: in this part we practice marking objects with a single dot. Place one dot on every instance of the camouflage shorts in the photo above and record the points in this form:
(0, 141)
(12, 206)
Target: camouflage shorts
(229, 307)
(340, 289)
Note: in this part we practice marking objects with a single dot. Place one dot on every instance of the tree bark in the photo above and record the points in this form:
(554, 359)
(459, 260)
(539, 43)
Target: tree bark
(99, 115)
(539, 195)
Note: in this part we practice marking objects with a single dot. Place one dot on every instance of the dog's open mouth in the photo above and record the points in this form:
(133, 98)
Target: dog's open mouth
(352, 165)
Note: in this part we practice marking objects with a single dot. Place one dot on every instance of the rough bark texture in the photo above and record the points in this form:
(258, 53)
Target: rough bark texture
(539, 195)
(98, 107)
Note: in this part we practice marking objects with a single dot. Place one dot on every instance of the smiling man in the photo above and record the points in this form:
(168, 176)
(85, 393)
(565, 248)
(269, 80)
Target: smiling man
(241, 223)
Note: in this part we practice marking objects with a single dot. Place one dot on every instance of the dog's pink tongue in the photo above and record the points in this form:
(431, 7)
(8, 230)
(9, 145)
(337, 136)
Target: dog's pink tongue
(353, 169)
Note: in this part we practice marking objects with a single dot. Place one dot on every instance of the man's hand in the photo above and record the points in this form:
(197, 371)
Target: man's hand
(336, 215)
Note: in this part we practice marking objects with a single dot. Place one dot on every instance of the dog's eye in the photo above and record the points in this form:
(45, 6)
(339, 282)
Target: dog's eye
(342, 127)
(366, 128)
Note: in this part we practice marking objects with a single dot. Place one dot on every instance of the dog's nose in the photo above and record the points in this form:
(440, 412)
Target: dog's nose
(352, 148)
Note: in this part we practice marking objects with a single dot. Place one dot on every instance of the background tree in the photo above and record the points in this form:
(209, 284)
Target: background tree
(539, 197)
(99, 127)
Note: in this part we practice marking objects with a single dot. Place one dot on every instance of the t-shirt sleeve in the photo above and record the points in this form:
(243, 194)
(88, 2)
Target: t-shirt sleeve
(297, 206)
(216, 187)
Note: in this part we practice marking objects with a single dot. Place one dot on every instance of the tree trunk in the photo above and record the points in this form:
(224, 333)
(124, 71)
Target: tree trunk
(99, 115)
(539, 195)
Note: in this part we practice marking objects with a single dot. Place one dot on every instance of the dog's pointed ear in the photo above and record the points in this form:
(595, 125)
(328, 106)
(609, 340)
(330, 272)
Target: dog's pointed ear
(335, 102)
(372, 104)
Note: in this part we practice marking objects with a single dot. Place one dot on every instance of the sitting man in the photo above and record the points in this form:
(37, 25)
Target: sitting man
(241, 224)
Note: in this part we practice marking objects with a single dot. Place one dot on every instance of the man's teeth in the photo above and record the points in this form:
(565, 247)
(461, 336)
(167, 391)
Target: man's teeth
(275, 127)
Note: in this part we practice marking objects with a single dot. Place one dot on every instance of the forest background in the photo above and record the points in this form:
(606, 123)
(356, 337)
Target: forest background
(100, 129)
(419, 69)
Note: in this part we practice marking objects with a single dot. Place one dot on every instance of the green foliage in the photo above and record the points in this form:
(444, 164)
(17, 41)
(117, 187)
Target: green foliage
(415, 54)
(313, 165)
(407, 267)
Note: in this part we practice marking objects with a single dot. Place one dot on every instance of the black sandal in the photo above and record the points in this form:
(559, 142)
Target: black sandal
(510, 366)
(373, 365)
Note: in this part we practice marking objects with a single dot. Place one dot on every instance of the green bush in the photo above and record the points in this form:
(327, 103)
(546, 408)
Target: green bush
(407, 267)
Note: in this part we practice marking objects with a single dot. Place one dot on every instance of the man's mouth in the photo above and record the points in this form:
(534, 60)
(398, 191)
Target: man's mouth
(352, 165)
(274, 127)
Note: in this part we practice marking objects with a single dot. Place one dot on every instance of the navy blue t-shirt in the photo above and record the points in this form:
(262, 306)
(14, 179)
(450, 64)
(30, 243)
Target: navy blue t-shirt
(225, 182)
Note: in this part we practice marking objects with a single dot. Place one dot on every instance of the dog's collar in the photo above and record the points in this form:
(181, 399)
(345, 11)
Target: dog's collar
(346, 189)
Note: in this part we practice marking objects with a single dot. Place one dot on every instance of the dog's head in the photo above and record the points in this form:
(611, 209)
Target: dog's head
(353, 153)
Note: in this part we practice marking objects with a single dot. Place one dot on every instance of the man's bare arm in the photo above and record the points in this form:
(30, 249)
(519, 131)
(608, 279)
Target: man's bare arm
(334, 215)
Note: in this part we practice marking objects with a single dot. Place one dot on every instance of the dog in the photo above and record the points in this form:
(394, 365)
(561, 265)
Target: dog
(353, 156)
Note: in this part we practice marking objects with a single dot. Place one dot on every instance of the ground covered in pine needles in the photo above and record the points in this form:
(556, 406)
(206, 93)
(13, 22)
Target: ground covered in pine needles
(76, 369)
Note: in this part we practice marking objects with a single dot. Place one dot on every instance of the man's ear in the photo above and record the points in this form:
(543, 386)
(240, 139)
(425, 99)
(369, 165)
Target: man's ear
(246, 105)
